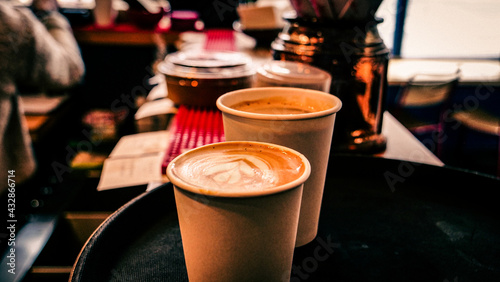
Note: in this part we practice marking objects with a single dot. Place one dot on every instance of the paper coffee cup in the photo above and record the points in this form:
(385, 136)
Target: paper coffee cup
(300, 119)
(238, 206)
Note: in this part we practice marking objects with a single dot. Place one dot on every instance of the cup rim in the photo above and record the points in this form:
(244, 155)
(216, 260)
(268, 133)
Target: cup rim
(183, 185)
(249, 92)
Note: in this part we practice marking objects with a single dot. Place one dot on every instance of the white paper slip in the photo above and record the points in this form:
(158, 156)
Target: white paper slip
(128, 172)
(155, 108)
(158, 92)
(141, 144)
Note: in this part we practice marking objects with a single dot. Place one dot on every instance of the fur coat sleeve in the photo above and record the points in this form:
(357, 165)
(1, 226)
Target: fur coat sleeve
(33, 53)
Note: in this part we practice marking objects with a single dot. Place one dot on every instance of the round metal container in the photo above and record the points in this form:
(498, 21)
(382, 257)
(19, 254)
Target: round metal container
(292, 74)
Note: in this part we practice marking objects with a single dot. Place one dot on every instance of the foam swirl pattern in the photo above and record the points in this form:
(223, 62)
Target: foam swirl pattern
(238, 168)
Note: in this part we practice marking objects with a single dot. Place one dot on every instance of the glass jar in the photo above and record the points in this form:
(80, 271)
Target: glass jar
(357, 59)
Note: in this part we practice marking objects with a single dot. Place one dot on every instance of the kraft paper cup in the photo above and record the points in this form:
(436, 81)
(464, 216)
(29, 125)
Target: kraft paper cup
(238, 236)
(308, 133)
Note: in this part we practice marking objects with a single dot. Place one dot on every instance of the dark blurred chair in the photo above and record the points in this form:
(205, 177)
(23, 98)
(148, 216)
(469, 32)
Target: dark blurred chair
(478, 120)
(422, 103)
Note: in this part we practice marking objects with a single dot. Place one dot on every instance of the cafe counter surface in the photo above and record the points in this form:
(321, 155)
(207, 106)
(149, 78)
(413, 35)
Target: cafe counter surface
(384, 193)
(379, 222)
(401, 213)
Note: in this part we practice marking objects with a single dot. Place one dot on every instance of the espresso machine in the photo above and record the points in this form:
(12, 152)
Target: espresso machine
(341, 37)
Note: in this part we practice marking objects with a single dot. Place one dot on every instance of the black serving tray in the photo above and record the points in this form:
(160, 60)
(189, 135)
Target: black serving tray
(381, 220)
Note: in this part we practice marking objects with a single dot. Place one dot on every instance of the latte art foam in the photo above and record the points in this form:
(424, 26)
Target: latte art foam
(230, 168)
(248, 172)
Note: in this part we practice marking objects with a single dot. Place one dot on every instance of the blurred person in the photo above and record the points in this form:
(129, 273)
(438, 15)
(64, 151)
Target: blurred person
(37, 51)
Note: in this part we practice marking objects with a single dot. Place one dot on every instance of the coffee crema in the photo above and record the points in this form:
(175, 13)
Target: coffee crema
(237, 167)
(279, 105)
